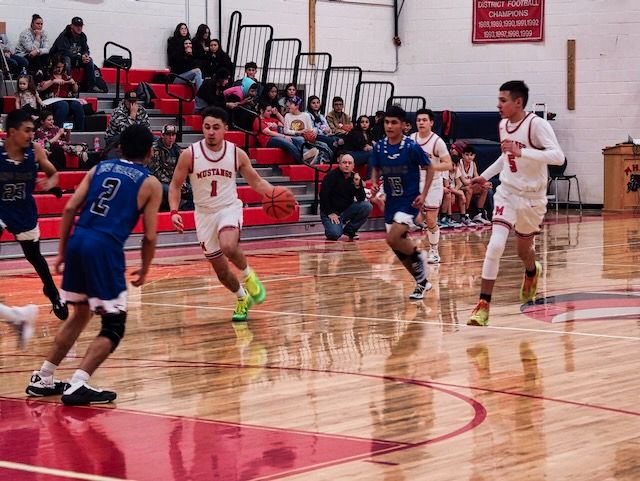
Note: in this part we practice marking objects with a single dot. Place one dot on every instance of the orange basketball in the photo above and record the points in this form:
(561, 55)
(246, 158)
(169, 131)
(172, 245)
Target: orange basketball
(279, 203)
(309, 136)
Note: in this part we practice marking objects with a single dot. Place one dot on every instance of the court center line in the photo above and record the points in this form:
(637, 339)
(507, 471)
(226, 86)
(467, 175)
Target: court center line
(57, 472)
(382, 319)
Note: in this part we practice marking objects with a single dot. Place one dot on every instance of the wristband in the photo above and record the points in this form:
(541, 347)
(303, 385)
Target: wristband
(174, 212)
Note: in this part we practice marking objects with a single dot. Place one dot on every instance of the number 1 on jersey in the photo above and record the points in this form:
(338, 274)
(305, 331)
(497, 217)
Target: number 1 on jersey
(214, 188)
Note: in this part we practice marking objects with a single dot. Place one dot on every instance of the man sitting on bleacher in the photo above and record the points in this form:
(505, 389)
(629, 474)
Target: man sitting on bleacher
(164, 157)
(129, 112)
(72, 45)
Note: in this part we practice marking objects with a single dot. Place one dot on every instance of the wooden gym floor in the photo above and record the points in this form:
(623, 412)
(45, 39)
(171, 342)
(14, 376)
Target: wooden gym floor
(338, 376)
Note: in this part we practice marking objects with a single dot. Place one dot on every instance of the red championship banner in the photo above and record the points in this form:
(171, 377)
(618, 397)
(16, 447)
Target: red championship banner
(508, 21)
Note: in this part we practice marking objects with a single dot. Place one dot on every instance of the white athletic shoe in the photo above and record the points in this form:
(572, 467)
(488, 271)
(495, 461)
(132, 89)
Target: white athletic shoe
(433, 257)
(23, 322)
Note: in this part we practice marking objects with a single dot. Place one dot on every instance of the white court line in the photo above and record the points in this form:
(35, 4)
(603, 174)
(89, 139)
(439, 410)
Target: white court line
(382, 319)
(57, 472)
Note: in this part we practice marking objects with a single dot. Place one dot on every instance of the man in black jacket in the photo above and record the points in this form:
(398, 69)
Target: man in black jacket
(72, 46)
(343, 205)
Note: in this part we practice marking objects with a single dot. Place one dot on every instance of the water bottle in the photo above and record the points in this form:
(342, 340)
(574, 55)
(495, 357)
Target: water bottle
(96, 143)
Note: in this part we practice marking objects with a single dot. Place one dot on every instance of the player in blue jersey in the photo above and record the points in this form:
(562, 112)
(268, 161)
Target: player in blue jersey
(398, 159)
(20, 159)
(111, 197)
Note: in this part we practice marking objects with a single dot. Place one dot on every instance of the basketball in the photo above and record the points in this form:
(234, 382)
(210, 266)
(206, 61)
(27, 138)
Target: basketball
(309, 136)
(279, 203)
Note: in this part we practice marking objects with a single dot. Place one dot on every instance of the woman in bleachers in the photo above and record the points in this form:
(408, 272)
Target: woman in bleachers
(211, 94)
(186, 66)
(217, 59)
(175, 43)
(320, 123)
(58, 92)
(33, 44)
(358, 141)
(201, 43)
(270, 97)
(290, 92)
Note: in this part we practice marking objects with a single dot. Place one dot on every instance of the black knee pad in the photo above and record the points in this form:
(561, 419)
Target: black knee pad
(400, 255)
(113, 328)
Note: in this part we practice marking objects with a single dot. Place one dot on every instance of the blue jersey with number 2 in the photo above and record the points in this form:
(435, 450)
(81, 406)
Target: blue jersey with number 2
(401, 170)
(112, 202)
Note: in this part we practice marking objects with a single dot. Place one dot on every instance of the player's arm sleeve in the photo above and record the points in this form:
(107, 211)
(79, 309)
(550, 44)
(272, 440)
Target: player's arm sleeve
(494, 169)
(542, 136)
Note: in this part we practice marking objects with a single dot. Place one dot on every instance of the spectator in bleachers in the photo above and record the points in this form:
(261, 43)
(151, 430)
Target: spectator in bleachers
(270, 97)
(217, 59)
(344, 207)
(27, 97)
(377, 129)
(211, 93)
(175, 43)
(469, 170)
(298, 123)
(72, 45)
(57, 91)
(250, 72)
(33, 45)
(320, 123)
(272, 135)
(358, 141)
(290, 91)
(164, 156)
(185, 65)
(201, 43)
(129, 112)
(16, 63)
(339, 120)
(52, 139)
(407, 127)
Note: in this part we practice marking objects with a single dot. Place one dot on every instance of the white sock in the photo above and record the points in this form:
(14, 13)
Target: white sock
(47, 369)
(246, 272)
(434, 238)
(80, 376)
(240, 293)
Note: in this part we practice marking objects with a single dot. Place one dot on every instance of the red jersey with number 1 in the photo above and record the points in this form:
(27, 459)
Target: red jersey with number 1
(213, 176)
(525, 174)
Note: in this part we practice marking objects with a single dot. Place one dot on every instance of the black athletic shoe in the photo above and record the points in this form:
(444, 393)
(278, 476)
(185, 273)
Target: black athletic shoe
(59, 308)
(45, 386)
(81, 393)
(421, 288)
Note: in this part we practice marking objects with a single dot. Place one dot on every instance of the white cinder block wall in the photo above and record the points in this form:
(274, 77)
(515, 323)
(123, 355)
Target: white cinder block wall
(437, 59)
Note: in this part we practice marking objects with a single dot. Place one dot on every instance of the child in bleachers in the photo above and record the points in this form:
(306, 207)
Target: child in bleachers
(27, 97)
(52, 138)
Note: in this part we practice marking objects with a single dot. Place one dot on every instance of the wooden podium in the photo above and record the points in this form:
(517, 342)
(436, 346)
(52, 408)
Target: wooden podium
(619, 164)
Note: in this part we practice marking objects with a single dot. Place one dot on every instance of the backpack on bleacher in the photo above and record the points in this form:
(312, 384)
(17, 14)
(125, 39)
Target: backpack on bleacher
(145, 95)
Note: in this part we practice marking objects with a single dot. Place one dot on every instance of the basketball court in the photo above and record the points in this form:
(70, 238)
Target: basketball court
(338, 376)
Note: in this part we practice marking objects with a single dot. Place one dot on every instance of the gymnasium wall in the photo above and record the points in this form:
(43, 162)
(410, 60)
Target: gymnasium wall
(437, 59)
